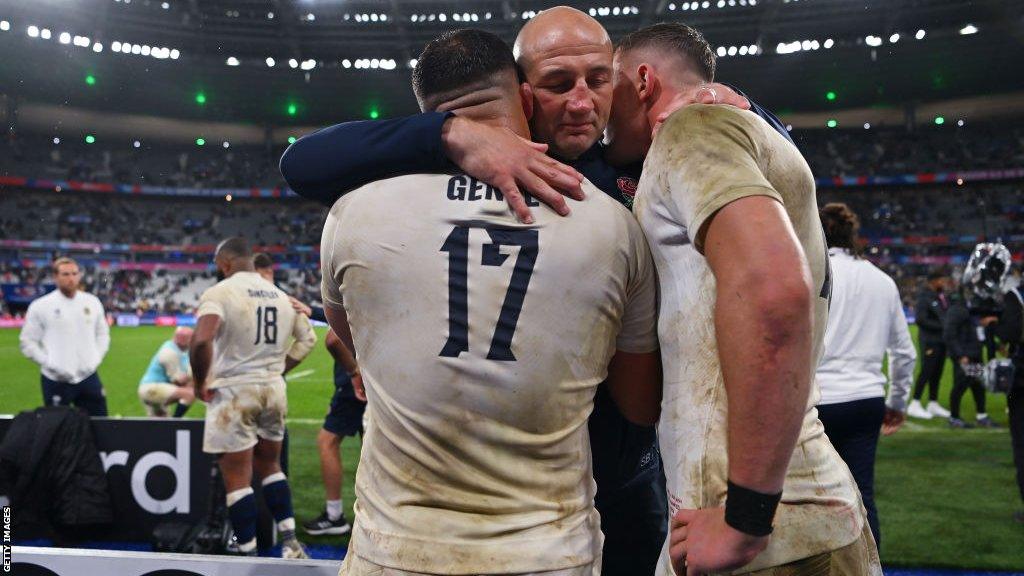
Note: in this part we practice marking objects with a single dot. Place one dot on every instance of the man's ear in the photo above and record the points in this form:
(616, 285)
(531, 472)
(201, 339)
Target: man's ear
(526, 97)
(648, 83)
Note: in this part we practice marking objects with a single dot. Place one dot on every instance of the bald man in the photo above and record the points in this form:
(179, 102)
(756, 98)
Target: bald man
(729, 209)
(566, 57)
(168, 378)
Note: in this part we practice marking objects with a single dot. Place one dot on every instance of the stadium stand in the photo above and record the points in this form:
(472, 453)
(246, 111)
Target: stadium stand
(908, 227)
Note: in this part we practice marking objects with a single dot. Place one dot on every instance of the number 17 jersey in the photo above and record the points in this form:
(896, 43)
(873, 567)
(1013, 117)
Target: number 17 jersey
(481, 342)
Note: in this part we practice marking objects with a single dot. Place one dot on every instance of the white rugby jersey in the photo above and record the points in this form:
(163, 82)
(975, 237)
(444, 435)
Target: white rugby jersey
(703, 158)
(258, 329)
(481, 342)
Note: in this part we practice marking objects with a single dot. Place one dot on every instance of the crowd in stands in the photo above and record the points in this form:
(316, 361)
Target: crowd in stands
(830, 152)
(901, 224)
(120, 162)
(28, 215)
(991, 209)
(893, 151)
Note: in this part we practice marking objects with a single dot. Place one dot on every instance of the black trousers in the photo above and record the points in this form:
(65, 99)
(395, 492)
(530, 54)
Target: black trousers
(853, 428)
(87, 394)
(933, 361)
(1016, 405)
(961, 383)
(634, 523)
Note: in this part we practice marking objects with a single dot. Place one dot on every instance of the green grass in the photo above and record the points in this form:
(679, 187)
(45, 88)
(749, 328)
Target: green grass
(945, 497)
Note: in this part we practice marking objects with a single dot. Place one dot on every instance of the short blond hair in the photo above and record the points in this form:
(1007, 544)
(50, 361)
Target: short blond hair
(62, 261)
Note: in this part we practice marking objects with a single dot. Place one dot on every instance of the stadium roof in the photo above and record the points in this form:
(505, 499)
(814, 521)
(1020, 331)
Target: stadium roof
(302, 62)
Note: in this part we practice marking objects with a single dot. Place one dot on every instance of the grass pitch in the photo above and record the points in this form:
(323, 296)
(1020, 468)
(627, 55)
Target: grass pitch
(945, 497)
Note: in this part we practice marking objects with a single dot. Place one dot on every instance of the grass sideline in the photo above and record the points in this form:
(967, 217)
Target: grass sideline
(945, 497)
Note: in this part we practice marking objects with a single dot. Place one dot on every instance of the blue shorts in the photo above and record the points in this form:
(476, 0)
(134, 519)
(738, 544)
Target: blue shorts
(345, 417)
(87, 395)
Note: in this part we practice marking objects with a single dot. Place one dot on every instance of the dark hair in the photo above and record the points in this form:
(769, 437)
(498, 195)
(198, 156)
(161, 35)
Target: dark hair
(458, 59)
(263, 260)
(841, 226)
(234, 247)
(674, 38)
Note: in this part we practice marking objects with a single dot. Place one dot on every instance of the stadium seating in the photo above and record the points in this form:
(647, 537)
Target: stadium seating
(152, 253)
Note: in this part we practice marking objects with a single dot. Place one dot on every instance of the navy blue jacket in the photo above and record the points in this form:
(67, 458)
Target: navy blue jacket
(322, 166)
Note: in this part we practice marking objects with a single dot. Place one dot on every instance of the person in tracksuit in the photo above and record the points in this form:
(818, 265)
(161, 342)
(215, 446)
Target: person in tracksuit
(970, 313)
(932, 304)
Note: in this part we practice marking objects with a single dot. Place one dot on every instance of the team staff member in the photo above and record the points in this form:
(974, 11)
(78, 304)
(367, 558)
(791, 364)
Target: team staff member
(168, 378)
(344, 418)
(66, 333)
(930, 312)
(728, 206)
(865, 324)
(567, 58)
(1010, 331)
(247, 337)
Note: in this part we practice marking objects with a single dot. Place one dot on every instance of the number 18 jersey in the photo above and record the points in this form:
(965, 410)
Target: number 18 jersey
(481, 342)
(256, 330)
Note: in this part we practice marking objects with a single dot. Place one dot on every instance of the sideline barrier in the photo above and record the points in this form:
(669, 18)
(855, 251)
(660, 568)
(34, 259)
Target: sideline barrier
(31, 561)
(157, 472)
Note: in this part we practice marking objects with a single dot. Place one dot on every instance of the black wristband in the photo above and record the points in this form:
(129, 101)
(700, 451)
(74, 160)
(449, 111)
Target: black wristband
(750, 512)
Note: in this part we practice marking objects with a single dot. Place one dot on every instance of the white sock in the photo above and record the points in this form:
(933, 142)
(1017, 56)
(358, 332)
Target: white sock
(237, 495)
(275, 477)
(982, 415)
(286, 525)
(247, 546)
(334, 509)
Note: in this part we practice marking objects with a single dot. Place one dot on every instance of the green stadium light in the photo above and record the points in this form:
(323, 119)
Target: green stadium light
(830, 95)
(90, 80)
(940, 120)
(292, 109)
(200, 98)
(832, 123)
(89, 138)
(200, 141)
(374, 113)
(291, 139)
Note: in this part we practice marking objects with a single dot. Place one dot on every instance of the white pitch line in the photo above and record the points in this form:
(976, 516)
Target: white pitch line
(299, 375)
(305, 420)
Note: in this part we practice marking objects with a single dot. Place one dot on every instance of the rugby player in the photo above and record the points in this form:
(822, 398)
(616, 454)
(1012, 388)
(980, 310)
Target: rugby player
(264, 266)
(478, 459)
(247, 337)
(168, 378)
(729, 209)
